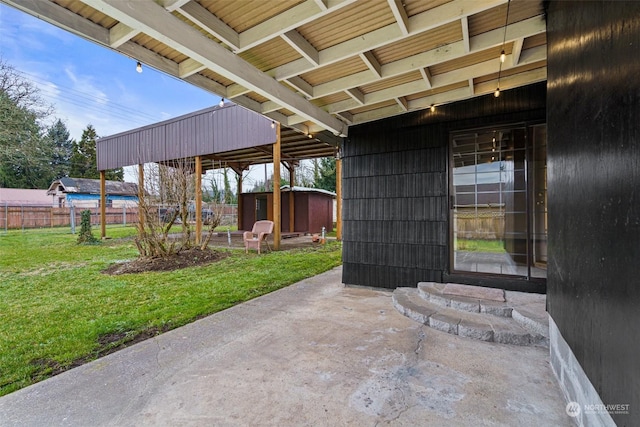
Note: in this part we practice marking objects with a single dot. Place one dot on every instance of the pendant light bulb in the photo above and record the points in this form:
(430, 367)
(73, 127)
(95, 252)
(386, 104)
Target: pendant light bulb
(273, 124)
(139, 67)
(503, 56)
(221, 103)
(497, 92)
(433, 108)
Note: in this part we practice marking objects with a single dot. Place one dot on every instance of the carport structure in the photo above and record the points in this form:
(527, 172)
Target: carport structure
(228, 135)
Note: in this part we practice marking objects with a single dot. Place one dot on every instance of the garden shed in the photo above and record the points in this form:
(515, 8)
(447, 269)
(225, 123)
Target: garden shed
(303, 210)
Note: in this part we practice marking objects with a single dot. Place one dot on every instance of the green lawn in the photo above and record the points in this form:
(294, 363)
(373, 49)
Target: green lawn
(57, 308)
(491, 246)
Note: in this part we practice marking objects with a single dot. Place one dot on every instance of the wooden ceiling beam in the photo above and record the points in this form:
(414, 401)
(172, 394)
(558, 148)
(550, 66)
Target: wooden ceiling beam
(400, 14)
(301, 45)
(468, 73)
(286, 21)
(464, 23)
(419, 23)
(372, 63)
(485, 88)
(426, 76)
(357, 95)
(431, 57)
(155, 21)
(172, 5)
(120, 34)
(517, 50)
(188, 67)
(211, 23)
(402, 102)
(60, 17)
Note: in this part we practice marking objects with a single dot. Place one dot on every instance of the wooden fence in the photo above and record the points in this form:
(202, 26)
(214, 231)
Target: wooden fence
(30, 216)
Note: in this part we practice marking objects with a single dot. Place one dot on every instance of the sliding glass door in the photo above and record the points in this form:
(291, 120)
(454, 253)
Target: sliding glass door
(498, 187)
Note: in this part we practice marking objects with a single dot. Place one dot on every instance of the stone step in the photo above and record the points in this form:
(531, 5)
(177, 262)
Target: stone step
(525, 308)
(437, 294)
(476, 325)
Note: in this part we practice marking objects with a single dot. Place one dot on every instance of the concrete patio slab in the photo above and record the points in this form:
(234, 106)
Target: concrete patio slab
(316, 353)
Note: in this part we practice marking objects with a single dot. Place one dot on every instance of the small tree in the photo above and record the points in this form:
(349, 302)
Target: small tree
(173, 186)
(86, 236)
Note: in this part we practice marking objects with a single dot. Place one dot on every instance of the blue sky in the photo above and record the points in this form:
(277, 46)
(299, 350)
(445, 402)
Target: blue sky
(90, 84)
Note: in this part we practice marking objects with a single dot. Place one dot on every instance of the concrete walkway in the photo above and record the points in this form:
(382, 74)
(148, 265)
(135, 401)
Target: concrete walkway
(313, 354)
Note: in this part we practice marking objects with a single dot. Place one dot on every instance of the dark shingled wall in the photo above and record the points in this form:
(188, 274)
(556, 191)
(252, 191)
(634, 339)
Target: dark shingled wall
(594, 175)
(395, 187)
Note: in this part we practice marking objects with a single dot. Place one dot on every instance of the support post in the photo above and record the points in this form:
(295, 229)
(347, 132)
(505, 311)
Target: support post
(239, 209)
(198, 178)
(339, 198)
(103, 205)
(292, 213)
(277, 208)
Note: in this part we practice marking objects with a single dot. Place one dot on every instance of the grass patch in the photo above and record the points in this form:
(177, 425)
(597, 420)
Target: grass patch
(491, 246)
(58, 310)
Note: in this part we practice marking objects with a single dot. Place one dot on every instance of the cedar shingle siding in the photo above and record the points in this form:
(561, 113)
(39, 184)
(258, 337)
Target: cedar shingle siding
(395, 187)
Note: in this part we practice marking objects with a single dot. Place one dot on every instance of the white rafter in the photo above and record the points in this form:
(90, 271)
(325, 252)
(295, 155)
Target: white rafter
(464, 22)
(400, 14)
(189, 67)
(211, 24)
(285, 86)
(420, 23)
(303, 47)
(156, 22)
(431, 57)
(517, 50)
(372, 63)
(468, 73)
(402, 102)
(286, 21)
(120, 34)
(426, 76)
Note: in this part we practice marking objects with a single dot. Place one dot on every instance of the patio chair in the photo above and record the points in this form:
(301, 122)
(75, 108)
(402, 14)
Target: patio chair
(259, 233)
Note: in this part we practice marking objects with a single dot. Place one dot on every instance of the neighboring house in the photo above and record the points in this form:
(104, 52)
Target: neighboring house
(21, 197)
(83, 192)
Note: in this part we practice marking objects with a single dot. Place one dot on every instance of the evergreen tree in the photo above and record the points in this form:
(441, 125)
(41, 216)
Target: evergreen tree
(62, 146)
(325, 174)
(83, 157)
(229, 197)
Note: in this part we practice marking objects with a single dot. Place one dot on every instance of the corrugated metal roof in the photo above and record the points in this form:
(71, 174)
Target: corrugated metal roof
(231, 134)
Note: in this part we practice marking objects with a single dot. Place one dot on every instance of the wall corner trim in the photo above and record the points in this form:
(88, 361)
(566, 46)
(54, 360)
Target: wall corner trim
(575, 384)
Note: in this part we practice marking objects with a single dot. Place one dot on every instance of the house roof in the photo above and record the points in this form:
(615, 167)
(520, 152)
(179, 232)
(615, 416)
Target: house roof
(321, 65)
(24, 196)
(92, 186)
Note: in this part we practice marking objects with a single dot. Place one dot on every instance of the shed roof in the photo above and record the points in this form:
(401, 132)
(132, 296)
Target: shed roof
(231, 134)
(24, 196)
(92, 186)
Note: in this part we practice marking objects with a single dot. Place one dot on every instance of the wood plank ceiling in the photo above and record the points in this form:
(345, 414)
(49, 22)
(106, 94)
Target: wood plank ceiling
(316, 65)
